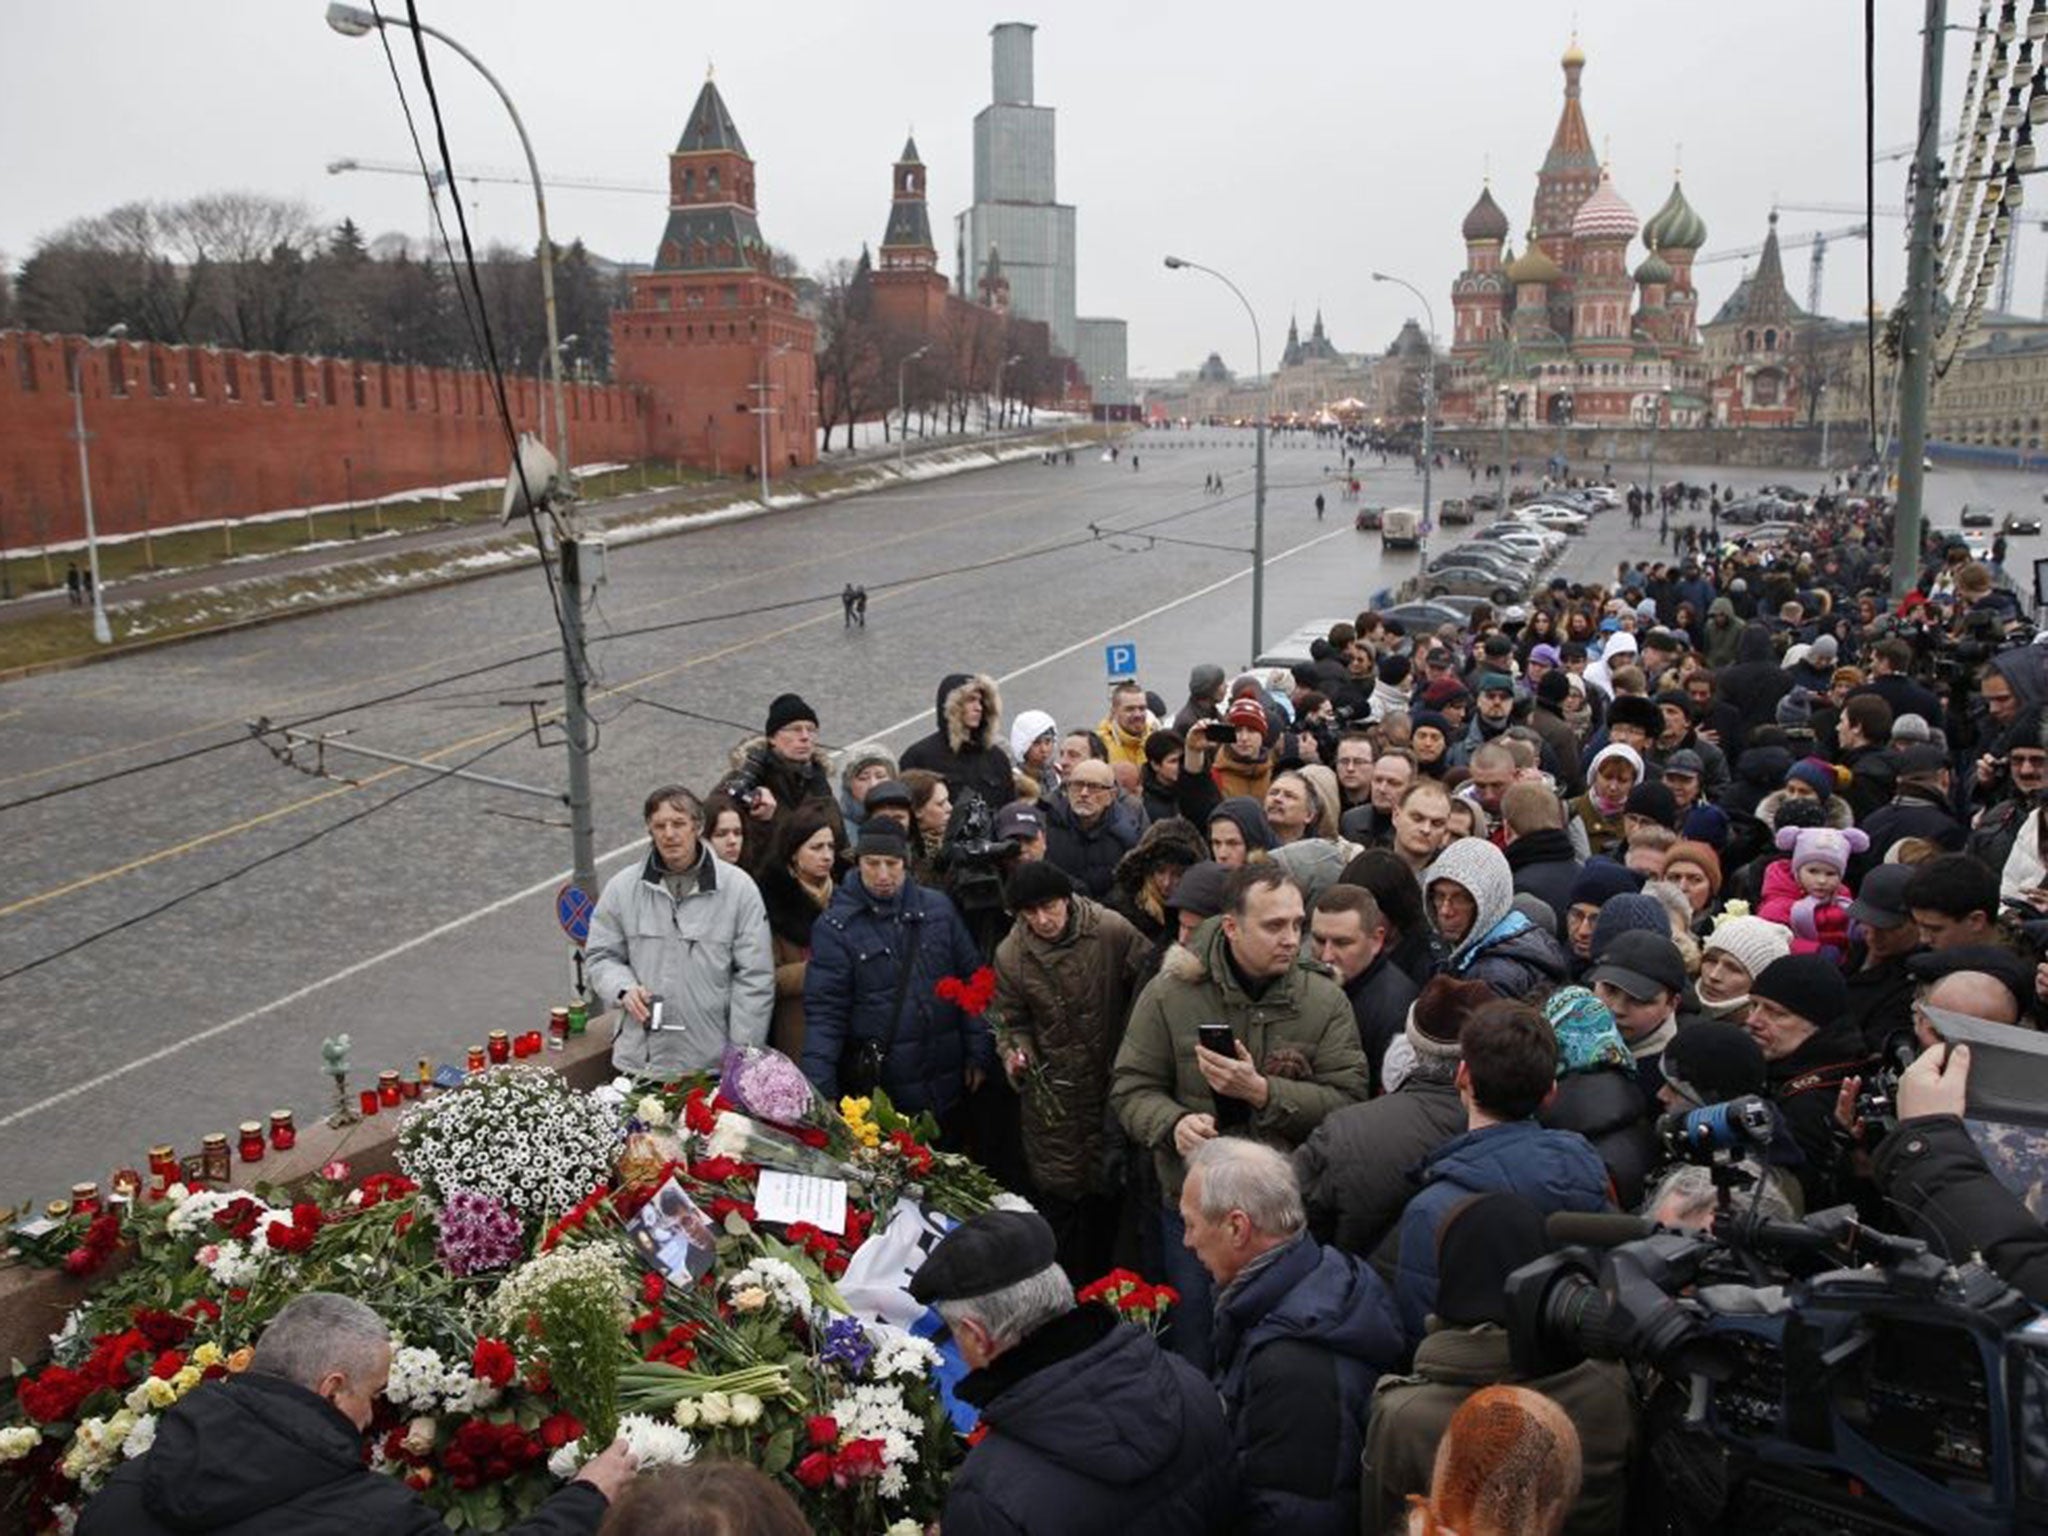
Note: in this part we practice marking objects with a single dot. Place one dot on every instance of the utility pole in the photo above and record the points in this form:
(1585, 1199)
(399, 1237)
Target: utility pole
(1918, 335)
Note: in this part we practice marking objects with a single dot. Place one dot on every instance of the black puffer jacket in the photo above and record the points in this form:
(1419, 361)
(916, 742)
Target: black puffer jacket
(1607, 1108)
(1089, 855)
(1932, 1171)
(967, 759)
(257, 1455)
(1093, 1430)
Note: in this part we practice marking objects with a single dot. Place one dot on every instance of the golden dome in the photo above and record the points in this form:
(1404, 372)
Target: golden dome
(1574, 56)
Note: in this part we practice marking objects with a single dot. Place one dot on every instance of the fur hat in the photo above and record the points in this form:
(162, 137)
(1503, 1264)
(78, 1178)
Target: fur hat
(1822, 845)
(1655, 801)
(1633, 709)
(863, 755)
(1034, 883)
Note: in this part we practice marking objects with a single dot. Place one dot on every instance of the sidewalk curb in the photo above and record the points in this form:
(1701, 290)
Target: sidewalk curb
(731, 513)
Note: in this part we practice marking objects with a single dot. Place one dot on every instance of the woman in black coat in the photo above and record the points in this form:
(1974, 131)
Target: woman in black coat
(1597, 1094)
(966, 750)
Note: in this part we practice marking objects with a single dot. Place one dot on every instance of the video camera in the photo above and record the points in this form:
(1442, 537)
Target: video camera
(744, 784)
(972, 859)
(1851, 1380)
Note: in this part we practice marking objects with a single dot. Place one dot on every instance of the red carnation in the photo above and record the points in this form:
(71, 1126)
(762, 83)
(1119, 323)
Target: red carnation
(558, 1429)
(493, 1362)
(814, 1471)
(163, 1329)
(821, 1429)
(652, 1287)
(860, 1459)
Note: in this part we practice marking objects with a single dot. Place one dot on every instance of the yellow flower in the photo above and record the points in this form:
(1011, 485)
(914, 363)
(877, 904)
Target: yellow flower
(749, 1298)
(207, 1355)
(188, 1377)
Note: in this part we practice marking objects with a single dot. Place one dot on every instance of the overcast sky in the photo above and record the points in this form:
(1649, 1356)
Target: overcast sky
(1297, 155)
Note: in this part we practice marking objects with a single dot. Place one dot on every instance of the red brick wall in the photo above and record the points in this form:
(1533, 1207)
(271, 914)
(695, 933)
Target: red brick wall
(190, 434)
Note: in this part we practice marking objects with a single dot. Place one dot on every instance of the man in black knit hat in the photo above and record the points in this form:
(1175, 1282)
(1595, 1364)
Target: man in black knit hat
(776, 772)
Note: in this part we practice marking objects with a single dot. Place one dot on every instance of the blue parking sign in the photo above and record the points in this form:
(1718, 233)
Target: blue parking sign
(1121, 659)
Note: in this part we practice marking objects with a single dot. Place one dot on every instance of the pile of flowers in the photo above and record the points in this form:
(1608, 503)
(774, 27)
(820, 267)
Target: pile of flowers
(528, 1329)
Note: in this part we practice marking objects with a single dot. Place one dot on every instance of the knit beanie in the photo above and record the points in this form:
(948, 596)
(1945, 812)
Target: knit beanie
(1435, 721)
(1750, 942)
(1713, 1061)
(881, 839)
(1439, 1012)
(1482, 1241)
(1554, 686)
(1807, 985)
(1831, 846)
(1626, 914)
(1655, 801)
(1248, 714)
(1587, 1037)
(1394, 670)
(1201, 889)
(788, 709)
(1600, 881)
(1034, 883)
(1822, 652)
(1795, 710)
(1205, 681)
(1815, 774)
(1445, 690)
(1695, 853)
(1706, 824)
(1545, 655)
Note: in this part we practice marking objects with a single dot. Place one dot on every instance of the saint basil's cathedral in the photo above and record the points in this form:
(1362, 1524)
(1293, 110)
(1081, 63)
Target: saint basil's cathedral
(1566, 332)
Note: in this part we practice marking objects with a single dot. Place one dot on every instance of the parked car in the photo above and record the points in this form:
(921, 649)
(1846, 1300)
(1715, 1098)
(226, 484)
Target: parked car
(1546, 515)
(1421, 618)
(1605, 496)
(1297, 646)
(1368, 517)
(1977, 515)
(1474, 581)
(2016, 523)
(1454, 510)
(1541, 544)
(1503, 562)
(1783, 493)
(1401, 528)
(1487, 501)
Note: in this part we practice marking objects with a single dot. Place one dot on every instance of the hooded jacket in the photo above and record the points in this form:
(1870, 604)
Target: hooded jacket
(1301, 1023)
(792, 785)
(708, 957)
(967, 759)
(1607, 1108)
(1502, 948)
(1619, 651)
(1552, 1170)
(1093, 1430)
(256, 1455)
(1064, 1000)
(1024, 730)
(858, 948)
(1250, 819)
(1356, 1170)
(1300, 1343)
(1169, 842)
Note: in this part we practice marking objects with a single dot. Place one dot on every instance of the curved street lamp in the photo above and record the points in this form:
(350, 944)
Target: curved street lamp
(1176, 264)
(1428, 389)
(102, 631)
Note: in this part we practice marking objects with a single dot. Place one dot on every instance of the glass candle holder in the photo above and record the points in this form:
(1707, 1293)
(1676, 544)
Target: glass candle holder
(213, 1149)
(387, 1088)
(533, 1042)
(251, 1142)
(500, 1047)
(283, 1134)
(368, 1100)
(579, 1018)
(125, 1185)
(85, 1199)
(476, 1060)
(558, 1028)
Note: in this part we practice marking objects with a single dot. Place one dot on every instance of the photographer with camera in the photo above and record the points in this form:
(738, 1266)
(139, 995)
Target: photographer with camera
(1931, 1171)
(774, 773)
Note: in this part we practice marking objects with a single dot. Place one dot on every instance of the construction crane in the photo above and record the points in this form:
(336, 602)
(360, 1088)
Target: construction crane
(1819, 240)
(494, 173)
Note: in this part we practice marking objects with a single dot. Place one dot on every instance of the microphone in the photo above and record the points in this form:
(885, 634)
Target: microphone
(1596, 1229)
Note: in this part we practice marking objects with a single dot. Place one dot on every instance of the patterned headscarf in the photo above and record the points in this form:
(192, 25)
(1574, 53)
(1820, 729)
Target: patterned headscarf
(1587, 1038)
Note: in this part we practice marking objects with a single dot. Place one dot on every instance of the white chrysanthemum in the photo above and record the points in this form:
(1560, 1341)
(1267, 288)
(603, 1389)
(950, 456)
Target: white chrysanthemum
(230, 1264)
(417, 1379)
(898, 1353)
(17, 1440)
(655, 1443)
(785, 1287)
(517, 1134)
(566, 1462)
(878, 1412)
(599, 1265)
(651, 1111)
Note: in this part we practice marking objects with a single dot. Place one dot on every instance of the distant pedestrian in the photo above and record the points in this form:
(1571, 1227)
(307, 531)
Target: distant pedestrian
(847, 599)
(1134, 462)
(1319, 506)
(74, 585)
(860, 607)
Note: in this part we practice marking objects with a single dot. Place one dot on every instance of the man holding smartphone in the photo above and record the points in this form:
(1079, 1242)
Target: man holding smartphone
(679, 945)
(1293, 1057)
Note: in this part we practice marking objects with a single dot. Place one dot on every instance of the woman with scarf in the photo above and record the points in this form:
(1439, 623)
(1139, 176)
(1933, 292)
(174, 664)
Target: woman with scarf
(1596, 1091)
(1601, 811)
(796, 885)
(1732, 956)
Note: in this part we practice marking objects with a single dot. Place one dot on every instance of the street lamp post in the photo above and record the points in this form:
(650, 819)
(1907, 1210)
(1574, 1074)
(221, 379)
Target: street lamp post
(1001, 404)
(1175, 264)
(353, 21)
(902, 406)
(1504, 395)
(102, 631)
(1428, 388)
(1820, 395)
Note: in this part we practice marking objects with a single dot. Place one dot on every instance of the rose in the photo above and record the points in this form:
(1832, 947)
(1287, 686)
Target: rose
(714, 1409)
(419, 1437)
(814, 1471)
(749, 1298)
(746, 1409)
(821, 1429)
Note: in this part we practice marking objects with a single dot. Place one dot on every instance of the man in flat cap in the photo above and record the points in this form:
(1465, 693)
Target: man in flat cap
(1091, 1428)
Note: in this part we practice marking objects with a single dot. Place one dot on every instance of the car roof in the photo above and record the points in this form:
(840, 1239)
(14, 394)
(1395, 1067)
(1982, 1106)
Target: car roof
(1294, 646)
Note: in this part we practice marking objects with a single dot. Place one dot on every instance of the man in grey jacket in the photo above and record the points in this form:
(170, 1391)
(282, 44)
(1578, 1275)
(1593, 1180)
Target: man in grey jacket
(679, 945)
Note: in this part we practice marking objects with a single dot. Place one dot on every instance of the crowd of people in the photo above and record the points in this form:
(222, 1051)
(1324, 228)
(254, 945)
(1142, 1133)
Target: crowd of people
(1314, 997)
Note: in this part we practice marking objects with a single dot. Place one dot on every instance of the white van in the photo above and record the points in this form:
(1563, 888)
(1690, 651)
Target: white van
(1401, 528)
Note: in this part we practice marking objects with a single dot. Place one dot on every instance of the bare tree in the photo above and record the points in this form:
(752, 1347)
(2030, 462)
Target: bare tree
(256, 249)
